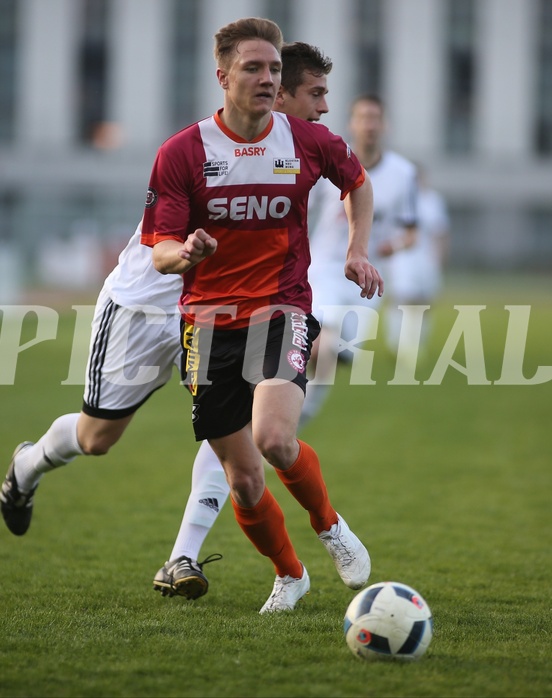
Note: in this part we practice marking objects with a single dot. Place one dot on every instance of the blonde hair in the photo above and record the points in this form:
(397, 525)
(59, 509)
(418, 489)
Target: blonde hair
(228, 37)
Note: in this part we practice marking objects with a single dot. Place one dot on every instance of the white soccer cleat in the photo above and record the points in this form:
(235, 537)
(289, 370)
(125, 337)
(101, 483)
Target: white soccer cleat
(350, 556)
(286, 593)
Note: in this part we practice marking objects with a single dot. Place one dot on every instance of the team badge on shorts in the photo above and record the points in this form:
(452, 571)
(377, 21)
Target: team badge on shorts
(296, 360)
(300, 341)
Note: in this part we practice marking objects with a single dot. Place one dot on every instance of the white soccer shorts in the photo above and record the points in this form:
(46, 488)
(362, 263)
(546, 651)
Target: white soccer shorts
(414, 276)
(132, 354)
(332, 294)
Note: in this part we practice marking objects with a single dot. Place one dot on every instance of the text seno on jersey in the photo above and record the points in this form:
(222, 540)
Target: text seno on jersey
(241, 208)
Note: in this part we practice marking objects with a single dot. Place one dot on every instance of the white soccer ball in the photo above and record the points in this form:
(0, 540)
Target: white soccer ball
(388, 620)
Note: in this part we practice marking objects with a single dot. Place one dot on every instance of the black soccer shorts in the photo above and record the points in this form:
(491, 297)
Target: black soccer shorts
(222, 367)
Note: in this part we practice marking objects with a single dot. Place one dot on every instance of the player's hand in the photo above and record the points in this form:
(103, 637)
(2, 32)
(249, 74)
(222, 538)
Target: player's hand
(386, 249)
(364, 275)
(198, 246)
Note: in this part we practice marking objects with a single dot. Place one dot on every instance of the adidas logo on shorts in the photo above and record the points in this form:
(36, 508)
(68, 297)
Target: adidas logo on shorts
(210, 502)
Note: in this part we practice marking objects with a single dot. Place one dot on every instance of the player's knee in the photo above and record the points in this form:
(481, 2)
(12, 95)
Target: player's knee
(96, 436)
(275, 447)
(96, 444)
(247, 488)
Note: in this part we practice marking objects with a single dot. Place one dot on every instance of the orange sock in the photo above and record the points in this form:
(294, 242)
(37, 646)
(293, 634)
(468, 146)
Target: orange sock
(305, 482)
(264, 525)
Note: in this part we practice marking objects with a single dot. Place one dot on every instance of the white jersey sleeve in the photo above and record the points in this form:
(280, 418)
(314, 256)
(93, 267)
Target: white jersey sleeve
(433, 213)
(136, 282)
(329, 236)
(395, 197)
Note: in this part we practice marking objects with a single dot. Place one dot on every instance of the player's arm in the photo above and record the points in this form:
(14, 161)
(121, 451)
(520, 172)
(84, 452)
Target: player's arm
(174, 257)
(359, 207)
(410, 236)
(405, 239)
(406, 218)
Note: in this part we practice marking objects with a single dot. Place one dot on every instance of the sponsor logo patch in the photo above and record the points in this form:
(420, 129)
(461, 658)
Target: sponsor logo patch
(240, 208)
(300, 331)
(190, 341)
(215, 168)
(249, 151)
(287, 166)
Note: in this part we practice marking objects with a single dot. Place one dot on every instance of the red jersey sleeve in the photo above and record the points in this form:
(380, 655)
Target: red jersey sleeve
(342, 168)
(167, 208)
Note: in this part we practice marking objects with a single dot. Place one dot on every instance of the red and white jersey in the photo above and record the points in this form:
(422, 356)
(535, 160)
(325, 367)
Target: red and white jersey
(252, 197)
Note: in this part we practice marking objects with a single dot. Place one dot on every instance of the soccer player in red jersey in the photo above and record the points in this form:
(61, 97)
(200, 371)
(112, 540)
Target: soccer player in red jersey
(227, 207)
(302, 94)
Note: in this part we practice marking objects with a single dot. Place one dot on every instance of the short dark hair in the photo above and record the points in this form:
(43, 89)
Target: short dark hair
(298, 57)
(369, 97)
(228, 37)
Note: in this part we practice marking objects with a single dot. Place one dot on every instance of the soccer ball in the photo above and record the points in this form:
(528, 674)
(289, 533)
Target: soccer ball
(388, 620)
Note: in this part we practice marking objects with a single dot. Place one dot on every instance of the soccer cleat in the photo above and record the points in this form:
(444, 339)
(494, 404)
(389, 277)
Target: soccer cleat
(183, 577)
(286, 593)
(17, 507)
(348, 553)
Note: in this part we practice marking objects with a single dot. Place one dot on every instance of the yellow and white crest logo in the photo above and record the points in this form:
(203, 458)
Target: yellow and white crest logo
(287, 166)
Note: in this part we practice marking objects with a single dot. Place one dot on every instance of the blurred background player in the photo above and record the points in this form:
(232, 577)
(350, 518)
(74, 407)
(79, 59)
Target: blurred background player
(394, 184)
(416, 273)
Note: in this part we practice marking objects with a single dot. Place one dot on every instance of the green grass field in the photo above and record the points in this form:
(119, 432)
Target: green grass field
(449, 485)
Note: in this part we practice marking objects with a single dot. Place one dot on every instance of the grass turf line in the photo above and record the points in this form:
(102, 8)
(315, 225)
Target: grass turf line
(449, 485)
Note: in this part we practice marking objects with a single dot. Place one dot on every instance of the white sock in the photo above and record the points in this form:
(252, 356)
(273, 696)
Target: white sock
(58, 446)
(209, 493)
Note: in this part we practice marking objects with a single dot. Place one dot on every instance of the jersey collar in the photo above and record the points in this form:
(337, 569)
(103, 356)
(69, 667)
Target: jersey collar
(234, 136)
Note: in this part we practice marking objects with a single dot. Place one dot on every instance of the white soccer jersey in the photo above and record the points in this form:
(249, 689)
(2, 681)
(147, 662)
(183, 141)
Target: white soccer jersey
(395, 206)
(416, 271)
(433, 220)
(136, 282)
(394, 184)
